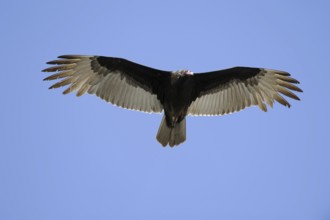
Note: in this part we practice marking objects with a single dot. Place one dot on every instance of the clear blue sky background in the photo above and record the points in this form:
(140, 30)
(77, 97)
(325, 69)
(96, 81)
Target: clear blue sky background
(63, 157)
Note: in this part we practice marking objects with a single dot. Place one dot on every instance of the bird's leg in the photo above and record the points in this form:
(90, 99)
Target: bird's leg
(171, 120)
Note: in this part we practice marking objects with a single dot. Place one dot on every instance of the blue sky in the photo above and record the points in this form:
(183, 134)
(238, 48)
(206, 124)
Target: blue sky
(63, 157)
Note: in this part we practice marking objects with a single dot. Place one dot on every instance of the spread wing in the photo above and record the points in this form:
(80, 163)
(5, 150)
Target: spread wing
(231, 90)
(118, 81)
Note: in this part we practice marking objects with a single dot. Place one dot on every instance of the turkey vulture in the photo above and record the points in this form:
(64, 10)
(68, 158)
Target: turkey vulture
(179, 93)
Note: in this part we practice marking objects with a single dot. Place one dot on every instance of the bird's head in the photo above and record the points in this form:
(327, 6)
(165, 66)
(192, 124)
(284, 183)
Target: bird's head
(184, 72)
(179, 73)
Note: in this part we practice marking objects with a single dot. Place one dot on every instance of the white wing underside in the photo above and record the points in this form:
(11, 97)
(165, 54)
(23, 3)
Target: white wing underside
(236, 95)
(112, 87)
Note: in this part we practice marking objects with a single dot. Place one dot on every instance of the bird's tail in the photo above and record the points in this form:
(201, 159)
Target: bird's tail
(172, 136)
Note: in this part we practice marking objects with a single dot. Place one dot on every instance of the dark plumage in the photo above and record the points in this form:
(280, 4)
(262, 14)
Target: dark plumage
(180, 93)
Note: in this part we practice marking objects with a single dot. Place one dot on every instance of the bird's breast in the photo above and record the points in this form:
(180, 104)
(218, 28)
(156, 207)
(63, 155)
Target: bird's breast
(178, 97)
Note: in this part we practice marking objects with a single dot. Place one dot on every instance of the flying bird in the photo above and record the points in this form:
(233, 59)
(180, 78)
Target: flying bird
(178, 93)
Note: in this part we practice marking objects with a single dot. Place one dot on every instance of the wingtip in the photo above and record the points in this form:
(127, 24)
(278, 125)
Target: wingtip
(72, 56)
(44, 70)
(67, 56)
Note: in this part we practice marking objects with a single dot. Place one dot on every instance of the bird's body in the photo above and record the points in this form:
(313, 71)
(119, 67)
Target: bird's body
(178, 96)
(177, 93)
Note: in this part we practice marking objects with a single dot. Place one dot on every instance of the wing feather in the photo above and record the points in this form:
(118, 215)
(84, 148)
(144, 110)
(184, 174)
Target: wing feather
(118, 81)
(241, 87)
